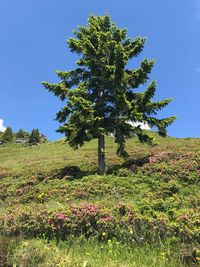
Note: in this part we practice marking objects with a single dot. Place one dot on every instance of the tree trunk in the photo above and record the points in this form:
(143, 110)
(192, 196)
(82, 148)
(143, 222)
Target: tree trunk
(101, 154)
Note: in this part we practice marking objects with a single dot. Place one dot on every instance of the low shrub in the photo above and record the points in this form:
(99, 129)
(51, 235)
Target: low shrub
(7, 245)
(92, 220)
(32, 253)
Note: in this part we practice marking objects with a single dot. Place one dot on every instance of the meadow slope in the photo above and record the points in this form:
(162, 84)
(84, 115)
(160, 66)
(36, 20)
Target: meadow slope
(147, 204)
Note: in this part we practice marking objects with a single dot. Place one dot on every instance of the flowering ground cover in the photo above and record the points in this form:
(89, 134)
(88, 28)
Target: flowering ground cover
(51, 197)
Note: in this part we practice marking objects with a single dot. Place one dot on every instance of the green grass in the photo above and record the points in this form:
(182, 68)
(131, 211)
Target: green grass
(81, 252)
(156, 184)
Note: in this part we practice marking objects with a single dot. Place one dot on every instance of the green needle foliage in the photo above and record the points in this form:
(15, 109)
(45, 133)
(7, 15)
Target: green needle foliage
(99, 94)
(7, 136)
(34, 137)
(22, 134)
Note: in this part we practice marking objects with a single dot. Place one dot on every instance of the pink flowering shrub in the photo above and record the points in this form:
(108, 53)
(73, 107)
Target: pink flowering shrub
(159, 156)
(183, 166)
(82, 195)
(122, 223)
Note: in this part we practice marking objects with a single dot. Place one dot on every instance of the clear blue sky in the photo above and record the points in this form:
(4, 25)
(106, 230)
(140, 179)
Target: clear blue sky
(33, 36)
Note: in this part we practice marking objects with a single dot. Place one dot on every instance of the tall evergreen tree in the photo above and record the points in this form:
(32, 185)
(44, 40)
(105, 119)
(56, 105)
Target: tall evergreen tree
(22, 134)
(100, 96)
(34, 137)
(7, 136)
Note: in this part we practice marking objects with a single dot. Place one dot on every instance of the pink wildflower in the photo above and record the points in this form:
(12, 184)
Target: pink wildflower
(10, 217)
(107, 219)
(60, 216)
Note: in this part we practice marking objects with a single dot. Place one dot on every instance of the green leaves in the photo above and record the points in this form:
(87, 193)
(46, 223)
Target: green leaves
(100, 93)
(150, 91)
(58, 89)
(135, 47)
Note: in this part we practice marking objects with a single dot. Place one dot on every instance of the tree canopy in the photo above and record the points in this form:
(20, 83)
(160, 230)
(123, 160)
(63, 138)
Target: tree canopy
(34, 137)
(22, 134)
(7, 136)
(100, 94)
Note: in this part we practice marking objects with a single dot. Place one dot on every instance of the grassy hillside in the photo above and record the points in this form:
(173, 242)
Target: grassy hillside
(146, 207)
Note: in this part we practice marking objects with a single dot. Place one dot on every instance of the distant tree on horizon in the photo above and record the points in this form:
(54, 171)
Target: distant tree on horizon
(34, 137)
(43, 138)
(7, 136)
(99, 95)
(22, 134)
